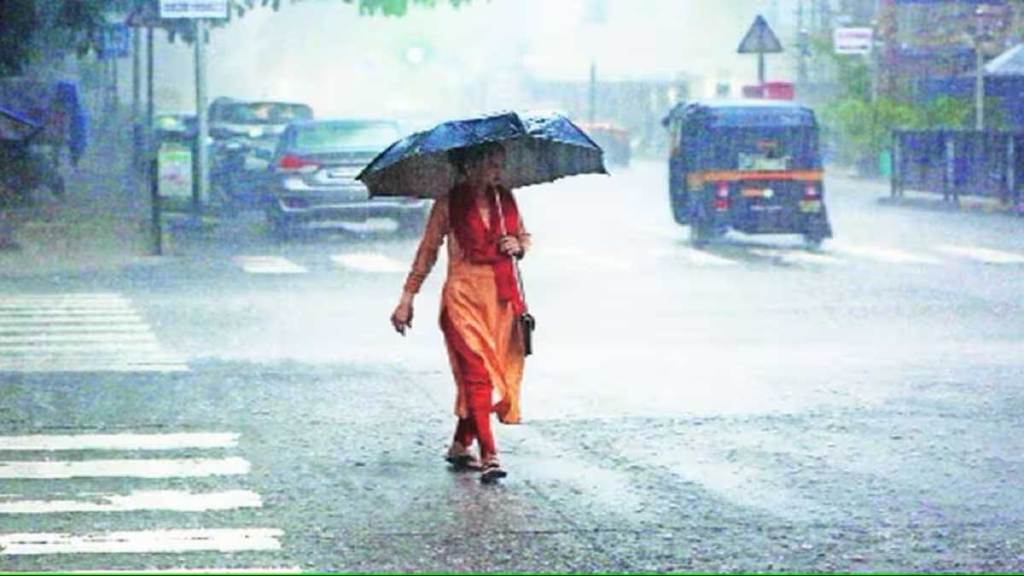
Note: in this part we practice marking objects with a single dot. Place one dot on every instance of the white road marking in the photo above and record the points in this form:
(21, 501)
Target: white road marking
(369, 262)
(77, 332)
(985, 255)
(119, 367)
(370, 225)
(144, 468)
(141, 542)
(66, 296)
(702, 258)
(795, 256)
(36, 328)
(69, 320)
(889, 255)
(269, 265)
(173, 500)
(83, 338)
(63, 347)
(254, 570)
(15, 303)
(175, 441)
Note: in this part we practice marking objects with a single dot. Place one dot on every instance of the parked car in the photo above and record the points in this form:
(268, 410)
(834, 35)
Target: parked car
(312, 177)
(175, 127)
(244, 135)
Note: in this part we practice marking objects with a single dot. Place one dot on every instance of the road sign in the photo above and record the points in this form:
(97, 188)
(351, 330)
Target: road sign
(115, 41)
(760, 39)
(853, 40)
(144, 16)
(193, 8)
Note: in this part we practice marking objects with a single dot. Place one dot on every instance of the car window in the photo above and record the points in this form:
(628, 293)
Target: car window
(264, 113)
(346, 136)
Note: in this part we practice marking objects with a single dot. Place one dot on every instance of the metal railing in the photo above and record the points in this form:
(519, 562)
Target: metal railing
(958, 163)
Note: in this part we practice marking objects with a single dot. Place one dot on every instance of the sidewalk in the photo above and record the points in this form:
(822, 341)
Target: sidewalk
(101, 224)
(927, 200)
(974, 204)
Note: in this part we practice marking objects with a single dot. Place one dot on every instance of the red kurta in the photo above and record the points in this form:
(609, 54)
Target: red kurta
(484, 322)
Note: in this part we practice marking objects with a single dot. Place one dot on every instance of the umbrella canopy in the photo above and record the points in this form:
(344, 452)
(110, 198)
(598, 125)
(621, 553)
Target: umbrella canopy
(539, 148)
(16, 127)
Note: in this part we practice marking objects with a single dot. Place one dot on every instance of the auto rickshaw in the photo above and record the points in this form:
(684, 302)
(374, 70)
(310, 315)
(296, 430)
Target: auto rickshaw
(749, 165)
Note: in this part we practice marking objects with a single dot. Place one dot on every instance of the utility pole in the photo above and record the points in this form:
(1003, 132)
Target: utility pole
(803, 46)
(201, 183)
(137, 97)
(979, 86)
(592, 108)
(151, 151)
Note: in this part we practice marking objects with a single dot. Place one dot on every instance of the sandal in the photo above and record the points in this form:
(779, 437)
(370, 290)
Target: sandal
(492, 471)
(461, 458)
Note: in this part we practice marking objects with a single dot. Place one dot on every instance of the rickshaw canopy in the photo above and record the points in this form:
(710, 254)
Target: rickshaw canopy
(745, 135)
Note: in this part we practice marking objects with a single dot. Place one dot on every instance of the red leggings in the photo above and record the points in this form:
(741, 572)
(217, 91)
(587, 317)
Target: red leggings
(478, 390)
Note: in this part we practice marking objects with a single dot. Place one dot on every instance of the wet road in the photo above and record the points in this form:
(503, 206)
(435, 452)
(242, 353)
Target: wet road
(751, 406)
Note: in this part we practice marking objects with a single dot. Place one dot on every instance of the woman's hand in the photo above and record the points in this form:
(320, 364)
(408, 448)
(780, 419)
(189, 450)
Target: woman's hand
(510, 245)
(401, 318)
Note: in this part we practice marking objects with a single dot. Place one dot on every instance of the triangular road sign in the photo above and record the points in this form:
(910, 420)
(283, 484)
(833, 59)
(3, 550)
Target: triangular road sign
(760, 39)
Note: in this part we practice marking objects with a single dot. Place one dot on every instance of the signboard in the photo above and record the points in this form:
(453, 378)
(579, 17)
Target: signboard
(760, 39)
(144, 16)
(175, 175)
(193, 8)
(115, 41)
(853, 40)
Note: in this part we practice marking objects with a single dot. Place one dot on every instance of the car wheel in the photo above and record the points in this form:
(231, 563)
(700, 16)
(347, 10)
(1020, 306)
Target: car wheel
(281, 229)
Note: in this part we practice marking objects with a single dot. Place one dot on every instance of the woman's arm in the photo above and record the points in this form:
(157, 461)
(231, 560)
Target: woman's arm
(422, 264)
(430, 244)
(524, 237)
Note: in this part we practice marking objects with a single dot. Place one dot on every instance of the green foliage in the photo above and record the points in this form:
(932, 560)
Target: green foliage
(946, 112)
(33, 28)
(863, 129)
(15, 19)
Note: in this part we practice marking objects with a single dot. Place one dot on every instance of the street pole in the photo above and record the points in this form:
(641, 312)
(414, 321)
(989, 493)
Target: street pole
(592, 113)
(137, 98)
(151, 151)
(114, 84)
(760, 69)
(979, 87)
(200, 182)
(802, 40)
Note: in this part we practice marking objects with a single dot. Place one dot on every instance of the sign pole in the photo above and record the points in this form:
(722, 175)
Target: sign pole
(201, 173)
(151, 151)
(760, 40)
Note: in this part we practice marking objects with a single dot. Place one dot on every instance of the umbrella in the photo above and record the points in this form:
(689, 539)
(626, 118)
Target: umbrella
(539, 148)
(15, 127)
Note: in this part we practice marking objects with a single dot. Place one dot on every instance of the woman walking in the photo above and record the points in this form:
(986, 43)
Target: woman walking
(480, 301)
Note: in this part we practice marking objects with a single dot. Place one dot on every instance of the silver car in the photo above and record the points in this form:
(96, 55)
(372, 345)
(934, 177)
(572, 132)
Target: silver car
(312, 179)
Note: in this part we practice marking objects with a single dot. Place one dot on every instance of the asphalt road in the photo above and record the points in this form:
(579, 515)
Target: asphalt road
(244, 403)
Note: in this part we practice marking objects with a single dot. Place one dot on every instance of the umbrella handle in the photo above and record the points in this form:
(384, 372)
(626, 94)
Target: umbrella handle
(504, 232)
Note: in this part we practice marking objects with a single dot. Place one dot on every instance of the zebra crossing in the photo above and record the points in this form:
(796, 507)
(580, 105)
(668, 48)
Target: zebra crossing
(64, 463)
(78, 332)
(835, 253)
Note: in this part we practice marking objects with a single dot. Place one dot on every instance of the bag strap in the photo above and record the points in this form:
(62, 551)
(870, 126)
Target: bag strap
(504, 232)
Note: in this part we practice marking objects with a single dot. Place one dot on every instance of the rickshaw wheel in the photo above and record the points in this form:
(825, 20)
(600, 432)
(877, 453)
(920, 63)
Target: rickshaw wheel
(700, 232)
(813, 241)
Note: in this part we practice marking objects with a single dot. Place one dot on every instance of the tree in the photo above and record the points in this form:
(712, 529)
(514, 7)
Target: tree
(32, 29)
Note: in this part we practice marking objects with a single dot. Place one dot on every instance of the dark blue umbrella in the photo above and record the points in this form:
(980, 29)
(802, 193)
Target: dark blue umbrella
(14, 126)
(539, 148)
